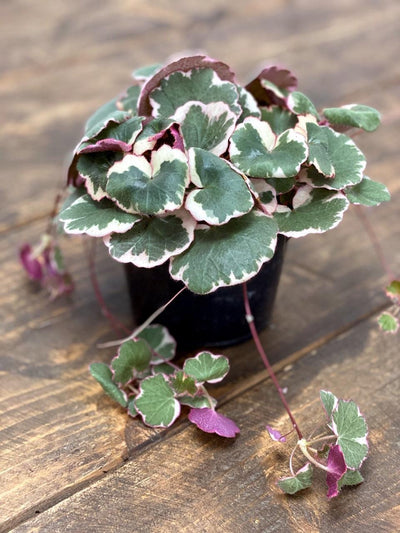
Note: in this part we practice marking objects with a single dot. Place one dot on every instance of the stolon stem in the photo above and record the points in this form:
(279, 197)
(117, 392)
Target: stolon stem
(260, 349)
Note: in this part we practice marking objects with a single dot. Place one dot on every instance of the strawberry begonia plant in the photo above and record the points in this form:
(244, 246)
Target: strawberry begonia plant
(188, 167)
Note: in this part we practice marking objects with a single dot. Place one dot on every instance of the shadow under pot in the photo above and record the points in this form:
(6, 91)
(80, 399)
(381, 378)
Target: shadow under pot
(215, 319)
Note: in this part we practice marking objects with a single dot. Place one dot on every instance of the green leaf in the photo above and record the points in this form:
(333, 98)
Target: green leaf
(300, 104)
(226, 255)
(356, 115)
(160, 341)
(183, 384)
(131, 407)
(393, 289)
(315, 211)
(329, 401)
(207, 126)
(351, 430)
(133, 356)
(144, 73)
(248, 104)
(302, 480)
(222, 193)
(388, 323)
(163, 368)
(203, 85)
(152, 241)
(130, 100)
(335, 156)
(207, 367)
(278, 118)
(367, 192)
(198, 402)
(94, 168)
(101, 118)
(281, 185)
(259, 153)
(156, 402)
(351, 477)
(102, 373)
(96, 219)
(138, 186)
(125, 133)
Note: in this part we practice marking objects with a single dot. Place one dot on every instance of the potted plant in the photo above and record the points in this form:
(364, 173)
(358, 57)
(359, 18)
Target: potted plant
(195, 183)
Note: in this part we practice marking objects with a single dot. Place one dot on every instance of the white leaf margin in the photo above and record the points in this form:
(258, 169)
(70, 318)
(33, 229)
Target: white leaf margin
(142, 260)
(271, 141)
(302, 200)
(196, 208)
(93, 230)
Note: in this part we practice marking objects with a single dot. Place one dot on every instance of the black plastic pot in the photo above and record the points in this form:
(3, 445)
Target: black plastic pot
(197, 321)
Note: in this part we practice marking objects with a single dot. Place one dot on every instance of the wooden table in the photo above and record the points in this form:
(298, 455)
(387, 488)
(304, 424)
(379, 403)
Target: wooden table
(70, 459)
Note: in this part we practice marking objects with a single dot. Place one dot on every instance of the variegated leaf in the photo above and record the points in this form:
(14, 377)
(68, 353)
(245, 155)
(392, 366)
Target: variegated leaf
(351, 429)
(151, 133)
(335, 156)
(314, 211)
(300, 481)
(354, 115)
(145, 73)
(222, 192)
(368, 192)
(265, 194)
(278, 118)
(152, 241)
(156, 402)
(150, 188)
(300, 104)
(94, 169)
(206, 366)
(248, 104)
(207, 126)
(203, 85)
(114, 137)
(101, 118)
(96, 219)
(226, 255)
(258, 152)
(184, 65)
(161, 342)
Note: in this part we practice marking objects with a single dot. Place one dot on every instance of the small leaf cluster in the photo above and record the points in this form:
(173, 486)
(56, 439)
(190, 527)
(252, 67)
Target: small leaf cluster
(190, 167)
(143, 379)
(389, 320)
(44, 263)
(340, 453)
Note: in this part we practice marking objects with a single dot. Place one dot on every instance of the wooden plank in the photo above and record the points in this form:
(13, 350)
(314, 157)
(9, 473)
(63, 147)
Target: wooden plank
(44, 106)
(193, 481)
(56, 425)
(47, 392)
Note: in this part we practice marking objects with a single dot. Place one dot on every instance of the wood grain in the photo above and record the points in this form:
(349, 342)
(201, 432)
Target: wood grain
(195, 482)
(71, 432)
(59, 433)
